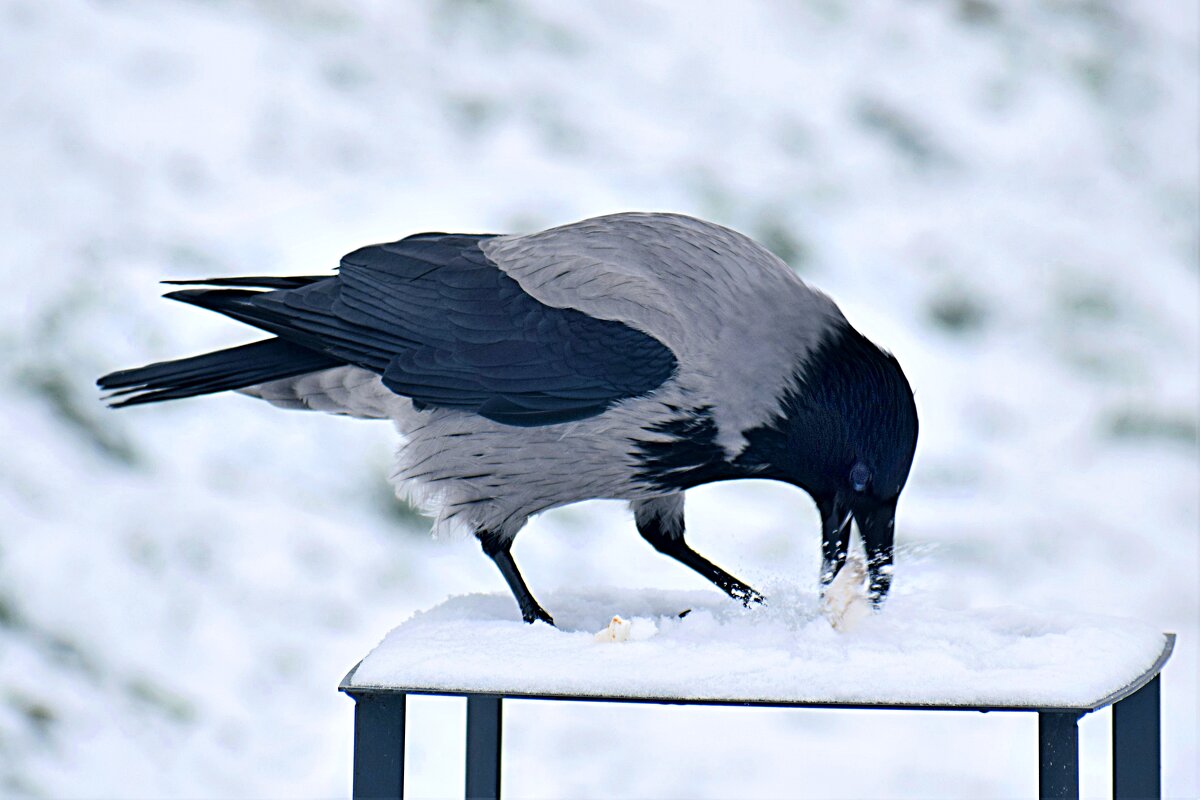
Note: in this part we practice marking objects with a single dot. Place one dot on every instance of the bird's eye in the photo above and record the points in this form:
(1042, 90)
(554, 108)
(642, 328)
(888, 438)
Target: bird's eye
(860, 476)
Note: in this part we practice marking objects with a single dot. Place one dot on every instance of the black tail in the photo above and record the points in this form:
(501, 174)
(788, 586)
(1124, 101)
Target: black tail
(235, 368)
(270, 282)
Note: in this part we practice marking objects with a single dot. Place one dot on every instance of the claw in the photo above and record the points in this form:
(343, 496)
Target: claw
(746, 594)
(532, 615)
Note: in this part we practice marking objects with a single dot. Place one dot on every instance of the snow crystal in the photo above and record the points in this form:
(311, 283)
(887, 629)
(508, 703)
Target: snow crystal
(787, 651)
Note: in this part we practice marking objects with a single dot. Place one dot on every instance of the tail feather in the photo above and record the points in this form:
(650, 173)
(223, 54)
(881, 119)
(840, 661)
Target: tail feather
(267, 282)
(223, 370)
(295, 323)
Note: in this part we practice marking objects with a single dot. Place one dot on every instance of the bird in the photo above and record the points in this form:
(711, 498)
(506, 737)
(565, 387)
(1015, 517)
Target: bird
(631, 356)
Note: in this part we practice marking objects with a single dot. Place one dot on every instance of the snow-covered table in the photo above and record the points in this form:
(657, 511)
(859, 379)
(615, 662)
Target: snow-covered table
(782, 655)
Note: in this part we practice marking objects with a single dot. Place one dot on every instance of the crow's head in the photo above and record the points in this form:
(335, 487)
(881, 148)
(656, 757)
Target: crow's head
(846, 434)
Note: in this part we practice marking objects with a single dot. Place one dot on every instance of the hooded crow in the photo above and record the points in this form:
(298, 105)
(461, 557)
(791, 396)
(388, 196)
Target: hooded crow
(630, 356)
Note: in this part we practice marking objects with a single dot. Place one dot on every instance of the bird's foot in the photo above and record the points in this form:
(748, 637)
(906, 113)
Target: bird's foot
(532, 614)
(747, 595)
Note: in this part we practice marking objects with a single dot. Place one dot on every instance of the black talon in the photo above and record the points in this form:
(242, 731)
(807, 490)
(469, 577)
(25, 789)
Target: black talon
(532, 615)
(746, 595)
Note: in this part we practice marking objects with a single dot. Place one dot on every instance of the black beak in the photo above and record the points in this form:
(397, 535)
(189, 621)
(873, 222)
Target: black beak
(878, 528)
(835, 537)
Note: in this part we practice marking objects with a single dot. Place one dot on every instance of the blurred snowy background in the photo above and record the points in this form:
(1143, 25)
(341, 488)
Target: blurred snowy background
(1003, 193)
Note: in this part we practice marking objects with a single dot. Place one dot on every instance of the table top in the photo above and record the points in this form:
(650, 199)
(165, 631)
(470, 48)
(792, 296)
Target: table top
(911, 655)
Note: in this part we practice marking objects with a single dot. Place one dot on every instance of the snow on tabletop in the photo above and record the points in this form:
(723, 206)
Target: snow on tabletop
(787, 651)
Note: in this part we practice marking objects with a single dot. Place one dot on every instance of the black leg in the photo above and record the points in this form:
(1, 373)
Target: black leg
(1137, 756)
(484, 727)
(379, 745)
(1058, 751)
(660, 522)
(499, 551)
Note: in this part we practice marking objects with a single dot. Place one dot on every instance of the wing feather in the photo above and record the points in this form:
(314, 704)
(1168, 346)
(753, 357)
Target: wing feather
(446, 327)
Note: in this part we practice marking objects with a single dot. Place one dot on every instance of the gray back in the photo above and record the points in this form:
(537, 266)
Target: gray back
(739, 320)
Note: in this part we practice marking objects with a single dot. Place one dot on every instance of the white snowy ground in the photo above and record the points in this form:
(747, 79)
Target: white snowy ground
(1004, 194)
(699, 646)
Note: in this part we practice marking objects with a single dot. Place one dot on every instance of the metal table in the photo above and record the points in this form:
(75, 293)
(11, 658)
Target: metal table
(379, 733)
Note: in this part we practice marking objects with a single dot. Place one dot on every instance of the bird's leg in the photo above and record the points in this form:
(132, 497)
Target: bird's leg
(660, 522)
(499, 549)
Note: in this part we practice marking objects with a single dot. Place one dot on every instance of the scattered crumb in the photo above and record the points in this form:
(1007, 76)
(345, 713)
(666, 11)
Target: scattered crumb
(624, 630)
(845, 602)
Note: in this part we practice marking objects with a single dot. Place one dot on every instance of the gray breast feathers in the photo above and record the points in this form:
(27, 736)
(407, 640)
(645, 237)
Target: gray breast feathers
(738, 319)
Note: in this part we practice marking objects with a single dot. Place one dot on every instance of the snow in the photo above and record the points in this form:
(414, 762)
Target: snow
(1003, 194)
(784, 652)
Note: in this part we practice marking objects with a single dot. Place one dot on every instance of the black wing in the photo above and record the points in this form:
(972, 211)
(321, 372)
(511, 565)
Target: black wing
(443, 325)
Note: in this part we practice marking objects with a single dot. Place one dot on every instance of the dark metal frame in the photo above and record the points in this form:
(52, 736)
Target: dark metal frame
(379, 733)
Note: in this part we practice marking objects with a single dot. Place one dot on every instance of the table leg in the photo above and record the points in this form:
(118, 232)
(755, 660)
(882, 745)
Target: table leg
(379, 745)
(1137, 750)
(1058, 751)
(484, 723)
